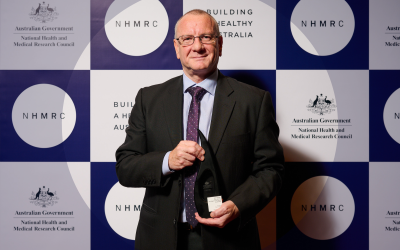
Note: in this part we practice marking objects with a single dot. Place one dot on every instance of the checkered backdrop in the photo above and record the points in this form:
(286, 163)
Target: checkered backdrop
(70, 70)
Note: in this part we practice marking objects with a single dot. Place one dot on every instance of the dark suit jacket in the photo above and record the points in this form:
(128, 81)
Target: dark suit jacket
(244, 138)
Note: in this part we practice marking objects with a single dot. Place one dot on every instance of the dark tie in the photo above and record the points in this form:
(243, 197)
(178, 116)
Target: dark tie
(197, 94)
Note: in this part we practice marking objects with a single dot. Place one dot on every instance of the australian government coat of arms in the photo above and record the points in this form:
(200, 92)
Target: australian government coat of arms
(43, 197)
(43, 13)
(321, 105)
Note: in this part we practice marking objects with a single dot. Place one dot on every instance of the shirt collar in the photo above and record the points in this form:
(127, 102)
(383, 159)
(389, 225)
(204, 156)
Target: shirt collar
(209, 84)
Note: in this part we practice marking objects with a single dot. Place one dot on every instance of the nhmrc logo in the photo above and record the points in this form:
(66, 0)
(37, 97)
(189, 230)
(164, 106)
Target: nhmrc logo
(322, 28)
(322, 23)
(43, 115)
(322, 207)
(122, 209)
(391, 115)
(136, 28)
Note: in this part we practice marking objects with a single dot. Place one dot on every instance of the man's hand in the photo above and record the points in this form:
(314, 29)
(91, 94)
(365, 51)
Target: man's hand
(227, 212)
(185, 154)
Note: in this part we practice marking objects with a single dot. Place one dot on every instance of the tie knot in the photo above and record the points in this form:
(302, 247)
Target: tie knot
(197, 92)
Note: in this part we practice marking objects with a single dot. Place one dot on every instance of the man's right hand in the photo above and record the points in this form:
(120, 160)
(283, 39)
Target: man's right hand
(185, 154)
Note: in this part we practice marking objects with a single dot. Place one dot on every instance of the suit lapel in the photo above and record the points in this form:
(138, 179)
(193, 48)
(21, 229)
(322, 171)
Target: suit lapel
(222, 110)
(173, 110)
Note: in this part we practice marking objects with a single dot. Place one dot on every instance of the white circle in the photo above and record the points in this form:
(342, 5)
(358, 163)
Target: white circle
(44, 115)
(322, 27)
(136, 28)
(122, 209)
(391, 115)
(322, 207)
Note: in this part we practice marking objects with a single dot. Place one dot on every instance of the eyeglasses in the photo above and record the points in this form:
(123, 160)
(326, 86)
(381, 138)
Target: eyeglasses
(188, 40)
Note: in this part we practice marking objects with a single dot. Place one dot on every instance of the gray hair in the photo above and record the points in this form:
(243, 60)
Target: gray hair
(200, 12)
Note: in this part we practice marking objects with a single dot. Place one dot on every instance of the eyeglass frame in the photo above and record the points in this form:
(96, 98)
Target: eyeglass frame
(194, 38)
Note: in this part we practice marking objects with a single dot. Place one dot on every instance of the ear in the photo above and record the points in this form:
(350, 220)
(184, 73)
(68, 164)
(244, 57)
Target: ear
(176, 45)
(220, 42)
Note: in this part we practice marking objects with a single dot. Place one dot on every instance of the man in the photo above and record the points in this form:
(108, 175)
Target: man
(160, 149)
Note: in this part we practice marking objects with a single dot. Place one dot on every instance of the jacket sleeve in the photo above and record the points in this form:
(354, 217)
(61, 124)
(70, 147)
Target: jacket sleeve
(135, 166)
(267, 169)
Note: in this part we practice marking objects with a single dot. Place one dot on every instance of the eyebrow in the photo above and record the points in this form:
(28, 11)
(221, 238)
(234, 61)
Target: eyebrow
(200, 34)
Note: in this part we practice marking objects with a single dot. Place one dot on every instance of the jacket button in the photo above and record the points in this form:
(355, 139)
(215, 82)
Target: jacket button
(180, 182)
(174, 221)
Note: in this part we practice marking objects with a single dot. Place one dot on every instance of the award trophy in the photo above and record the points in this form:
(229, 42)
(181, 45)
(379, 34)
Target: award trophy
(207, 196)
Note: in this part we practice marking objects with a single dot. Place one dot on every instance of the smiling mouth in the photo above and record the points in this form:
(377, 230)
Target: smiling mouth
(199, 57)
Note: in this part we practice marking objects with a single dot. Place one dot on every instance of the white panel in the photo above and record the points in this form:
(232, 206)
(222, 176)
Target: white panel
(384, 34)
(42, 206)
(248, 29)
(384, 205)
(112, 98)
(44, 35)
(323, 115)
(296, 91)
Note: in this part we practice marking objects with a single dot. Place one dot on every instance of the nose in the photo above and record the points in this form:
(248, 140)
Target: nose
(197, 45)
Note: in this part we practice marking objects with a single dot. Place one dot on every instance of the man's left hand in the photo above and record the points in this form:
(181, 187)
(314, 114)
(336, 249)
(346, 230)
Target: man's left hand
(227, 212)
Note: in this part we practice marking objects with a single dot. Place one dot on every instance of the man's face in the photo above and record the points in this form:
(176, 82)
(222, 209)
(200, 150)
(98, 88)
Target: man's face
(198, 58)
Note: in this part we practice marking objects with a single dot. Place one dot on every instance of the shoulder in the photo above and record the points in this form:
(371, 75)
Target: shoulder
(244, 91)
(155, 96)
(165, 87)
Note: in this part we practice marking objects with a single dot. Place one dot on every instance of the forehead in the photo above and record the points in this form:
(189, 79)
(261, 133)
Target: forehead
(195, 25)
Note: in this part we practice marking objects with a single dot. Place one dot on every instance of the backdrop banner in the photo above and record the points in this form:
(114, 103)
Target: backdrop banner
(70, 72)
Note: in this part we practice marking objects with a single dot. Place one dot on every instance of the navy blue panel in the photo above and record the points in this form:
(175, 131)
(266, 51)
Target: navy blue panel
(105, 56)
(291, 56)
(103, 178)
(263, 79)
(381, 146)
(355, 176)
(76, 84)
